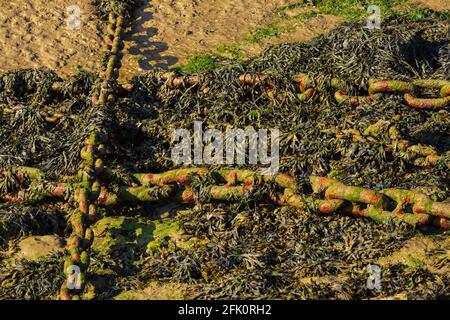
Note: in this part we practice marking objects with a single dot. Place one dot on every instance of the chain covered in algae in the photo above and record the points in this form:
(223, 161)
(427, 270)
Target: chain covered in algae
(377, 158)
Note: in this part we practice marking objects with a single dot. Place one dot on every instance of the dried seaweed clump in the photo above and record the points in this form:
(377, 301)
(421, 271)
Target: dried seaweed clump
(31, 280)
(44, 119)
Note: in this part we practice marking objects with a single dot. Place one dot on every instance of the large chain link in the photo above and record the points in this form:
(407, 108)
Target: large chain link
(329, 195)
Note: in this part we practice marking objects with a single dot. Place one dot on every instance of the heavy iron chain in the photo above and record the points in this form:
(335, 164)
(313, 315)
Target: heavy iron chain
(337, 196)
(306, 85)
(91, 171)
(410, 91)
(329, 195)
(79, 243)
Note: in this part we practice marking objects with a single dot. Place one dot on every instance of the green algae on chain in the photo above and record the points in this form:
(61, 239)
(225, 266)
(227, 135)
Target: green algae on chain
(113, 48)
(379, 204)
(231, 176)
(103, 8)
(84, 215)
(426, 103)
(93, 164)
(376, 89)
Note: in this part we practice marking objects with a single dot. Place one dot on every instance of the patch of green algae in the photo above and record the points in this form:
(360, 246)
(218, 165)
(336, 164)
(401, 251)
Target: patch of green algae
(421, 251)
(121, 233)
(126, 240)
(168, 230)
(137, 234)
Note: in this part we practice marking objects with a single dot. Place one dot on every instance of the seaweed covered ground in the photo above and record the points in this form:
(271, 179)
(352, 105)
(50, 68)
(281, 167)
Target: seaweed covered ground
(249, 248)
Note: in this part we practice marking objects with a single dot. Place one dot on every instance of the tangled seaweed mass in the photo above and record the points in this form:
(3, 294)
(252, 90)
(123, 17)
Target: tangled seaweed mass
(364, 121)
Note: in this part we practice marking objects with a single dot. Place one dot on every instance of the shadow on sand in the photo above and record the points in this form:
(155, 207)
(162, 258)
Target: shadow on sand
(140, 36)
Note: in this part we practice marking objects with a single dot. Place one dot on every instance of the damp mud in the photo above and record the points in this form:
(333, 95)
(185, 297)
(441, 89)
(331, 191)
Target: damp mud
(35, 34)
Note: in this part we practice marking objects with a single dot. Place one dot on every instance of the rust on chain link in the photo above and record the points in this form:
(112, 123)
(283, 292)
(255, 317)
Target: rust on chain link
(426, 103)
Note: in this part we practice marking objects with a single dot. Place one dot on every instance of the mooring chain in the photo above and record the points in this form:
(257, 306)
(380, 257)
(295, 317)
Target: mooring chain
(337, 196)
(305, 84)
(329, 195)
(412, 207)
(113, 50)
(79, 243)
(410, 91)
(88, 194)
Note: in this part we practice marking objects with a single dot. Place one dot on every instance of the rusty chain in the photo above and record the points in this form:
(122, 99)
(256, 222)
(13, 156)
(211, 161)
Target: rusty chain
(411, 91)
(88, 193)
(329, 195)
(79, 243)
